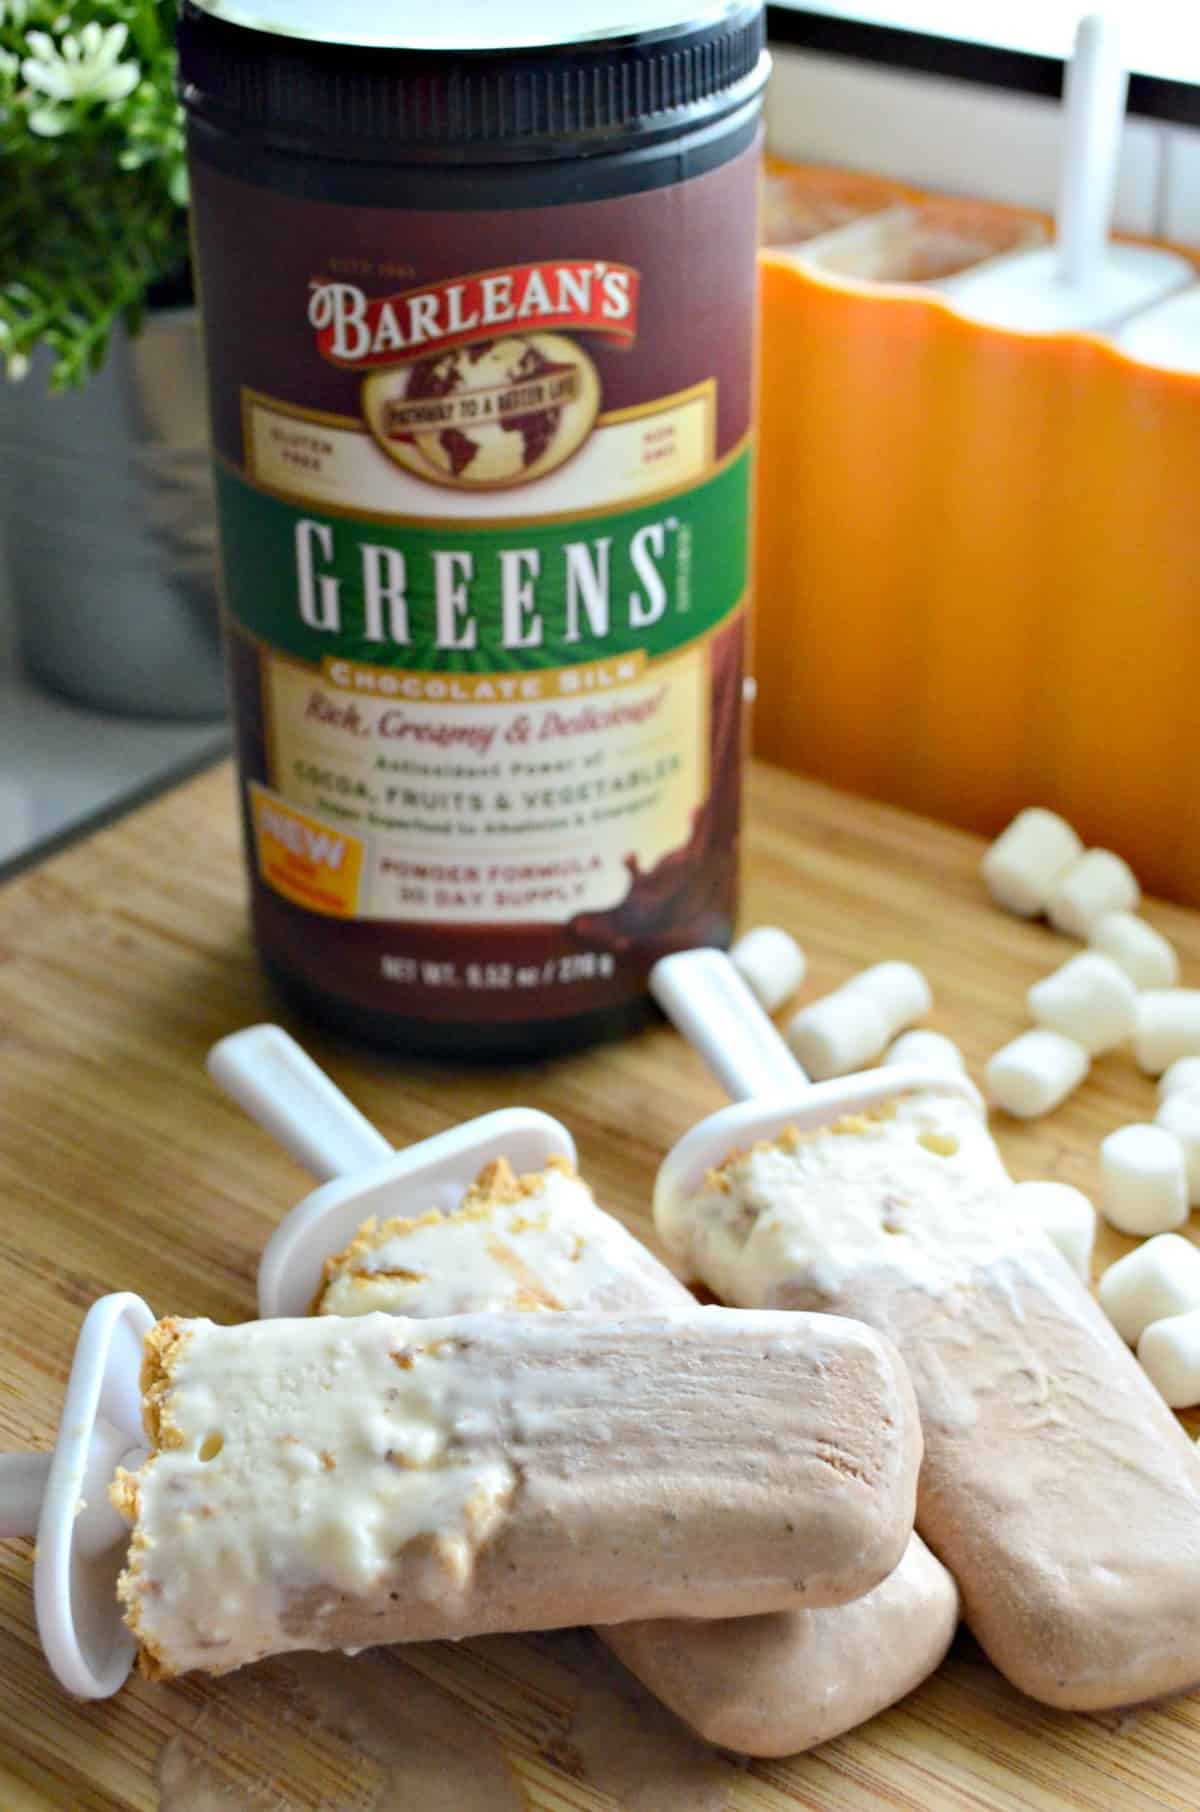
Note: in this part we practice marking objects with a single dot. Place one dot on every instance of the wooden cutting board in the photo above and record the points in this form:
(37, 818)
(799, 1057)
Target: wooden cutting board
(121, 961)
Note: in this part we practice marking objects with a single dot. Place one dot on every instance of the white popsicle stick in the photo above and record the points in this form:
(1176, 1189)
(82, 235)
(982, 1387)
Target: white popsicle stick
(265, 1071)
(1084, 281)
(62, 1498)
(720, 1016)
(702, 993)
(1095, 88)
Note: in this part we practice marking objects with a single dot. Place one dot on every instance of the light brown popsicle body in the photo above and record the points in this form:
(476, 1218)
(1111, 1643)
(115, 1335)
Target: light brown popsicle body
(1056, 1484)
(769, 1685)
(787, 1681)
(337, 1483)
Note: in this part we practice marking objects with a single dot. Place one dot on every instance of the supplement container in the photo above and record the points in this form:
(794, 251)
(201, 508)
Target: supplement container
(478, 311)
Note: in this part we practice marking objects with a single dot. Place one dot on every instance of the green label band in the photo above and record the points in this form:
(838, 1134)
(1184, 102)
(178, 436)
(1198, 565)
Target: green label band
(461, 599)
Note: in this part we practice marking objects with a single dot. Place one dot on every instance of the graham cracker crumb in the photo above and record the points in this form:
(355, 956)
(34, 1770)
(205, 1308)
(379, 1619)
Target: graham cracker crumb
(164, 1346)
(865, 1122)
(496, 1186)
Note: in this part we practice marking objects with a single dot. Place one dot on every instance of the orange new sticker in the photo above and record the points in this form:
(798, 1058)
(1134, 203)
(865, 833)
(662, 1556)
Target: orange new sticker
(305, 860)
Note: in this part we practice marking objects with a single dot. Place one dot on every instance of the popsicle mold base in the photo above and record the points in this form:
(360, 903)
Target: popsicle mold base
(434, 1174)
(80, 1541)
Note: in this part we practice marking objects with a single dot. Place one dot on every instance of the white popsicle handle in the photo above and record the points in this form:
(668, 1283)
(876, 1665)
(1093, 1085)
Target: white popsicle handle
(703, 994)
(22, 1487)
(266, 1072)
(1094, 94)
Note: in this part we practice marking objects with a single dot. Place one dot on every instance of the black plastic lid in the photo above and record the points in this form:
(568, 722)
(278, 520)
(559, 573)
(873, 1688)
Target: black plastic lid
(252, 65)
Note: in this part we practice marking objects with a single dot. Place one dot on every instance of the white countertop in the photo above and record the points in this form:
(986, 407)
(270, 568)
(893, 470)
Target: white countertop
(65, 770)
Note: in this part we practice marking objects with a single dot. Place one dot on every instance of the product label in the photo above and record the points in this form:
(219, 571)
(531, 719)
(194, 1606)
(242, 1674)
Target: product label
(486, 611)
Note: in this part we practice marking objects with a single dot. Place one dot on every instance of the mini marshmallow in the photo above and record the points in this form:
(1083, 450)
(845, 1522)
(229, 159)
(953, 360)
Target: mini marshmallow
(1099, 883)
(1180, 1115)
(1023, 864)
(1090, 999)
(771, 963)
(841, 1032)
(850, 1027)
(1167, 1028)
(932, 1050)
(1035, 1072)
(1181, 1078)
(1143, 1180)
(1066, 1217)
(1144, 953)
(901, 990)
(1170, 1355)
(1158, 1279)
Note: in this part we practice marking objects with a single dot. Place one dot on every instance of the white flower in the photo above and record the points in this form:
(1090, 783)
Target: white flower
(82, 68)
(48, 122)
(9, 66)
(16, 367)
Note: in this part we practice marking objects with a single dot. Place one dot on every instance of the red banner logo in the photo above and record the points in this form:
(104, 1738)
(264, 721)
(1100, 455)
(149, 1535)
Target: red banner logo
(586, 295)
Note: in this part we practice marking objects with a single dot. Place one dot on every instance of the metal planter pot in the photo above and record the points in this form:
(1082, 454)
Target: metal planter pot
(109, 529)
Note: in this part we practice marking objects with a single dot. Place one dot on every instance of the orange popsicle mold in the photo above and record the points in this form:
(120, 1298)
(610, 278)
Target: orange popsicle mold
(979, 567)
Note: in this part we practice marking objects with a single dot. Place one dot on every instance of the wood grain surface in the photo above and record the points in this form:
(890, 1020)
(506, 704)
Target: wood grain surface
(121, 961)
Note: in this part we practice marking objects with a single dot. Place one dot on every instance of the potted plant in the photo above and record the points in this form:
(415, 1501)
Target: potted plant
(108, 523)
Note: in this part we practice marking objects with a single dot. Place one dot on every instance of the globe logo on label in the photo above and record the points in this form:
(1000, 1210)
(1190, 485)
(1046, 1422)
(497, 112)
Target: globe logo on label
(471, 381)
(487, 415)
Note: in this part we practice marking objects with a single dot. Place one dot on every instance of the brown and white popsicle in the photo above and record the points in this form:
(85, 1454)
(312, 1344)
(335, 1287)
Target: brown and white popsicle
(324, 1482)
(767, 1685)
(1056, 1484)
(334, 1482)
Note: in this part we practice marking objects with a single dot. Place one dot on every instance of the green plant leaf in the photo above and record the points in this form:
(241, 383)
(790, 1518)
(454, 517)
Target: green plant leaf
(93, 185)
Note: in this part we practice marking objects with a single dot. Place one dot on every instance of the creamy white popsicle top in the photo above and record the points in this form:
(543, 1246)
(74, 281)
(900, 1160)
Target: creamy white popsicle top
(902, 1186)
(519, 1243)
(283, 1464)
